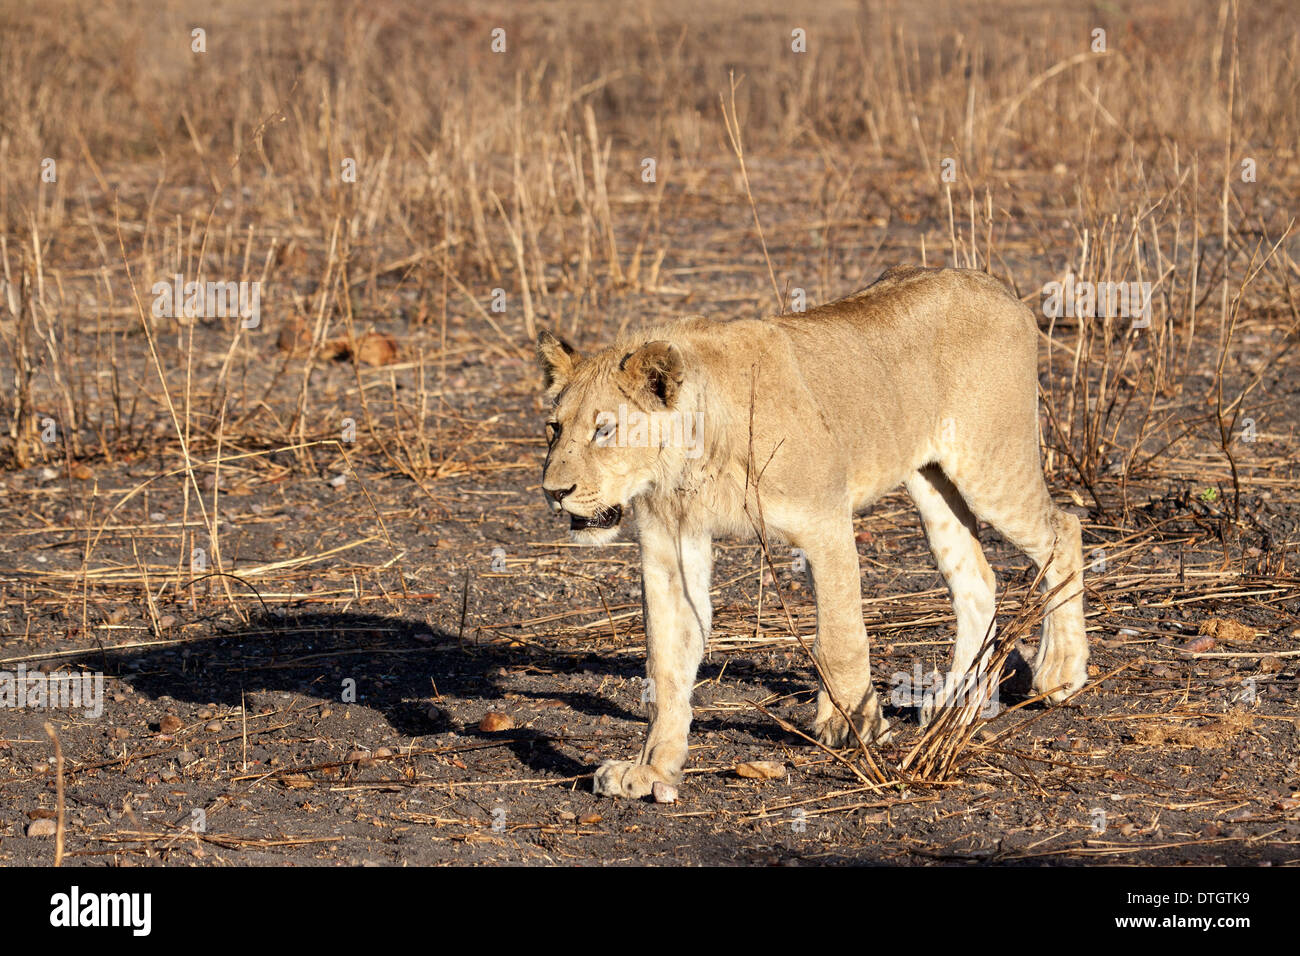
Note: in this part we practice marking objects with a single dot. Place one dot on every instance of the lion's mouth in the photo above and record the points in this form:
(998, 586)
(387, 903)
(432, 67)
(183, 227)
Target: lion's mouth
(602, 518)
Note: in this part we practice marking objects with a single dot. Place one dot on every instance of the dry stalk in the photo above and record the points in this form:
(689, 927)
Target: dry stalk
(58, 794)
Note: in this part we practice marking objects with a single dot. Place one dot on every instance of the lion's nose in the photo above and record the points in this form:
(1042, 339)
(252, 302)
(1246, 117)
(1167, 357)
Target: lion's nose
(559, 494)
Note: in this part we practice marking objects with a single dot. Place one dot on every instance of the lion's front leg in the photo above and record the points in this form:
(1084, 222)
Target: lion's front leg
(841, 646)
(675, 597)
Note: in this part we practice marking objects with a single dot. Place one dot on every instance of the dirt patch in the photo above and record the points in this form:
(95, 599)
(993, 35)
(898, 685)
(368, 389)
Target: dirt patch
(1215, 734)
(1227, 630)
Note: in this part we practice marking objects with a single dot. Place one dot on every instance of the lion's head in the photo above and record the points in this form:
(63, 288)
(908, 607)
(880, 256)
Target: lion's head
(614, 430)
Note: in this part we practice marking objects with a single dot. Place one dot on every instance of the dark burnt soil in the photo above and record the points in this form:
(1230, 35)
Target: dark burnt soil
(1178, 757)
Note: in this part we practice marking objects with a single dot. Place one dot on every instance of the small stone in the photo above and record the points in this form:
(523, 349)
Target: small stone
(1199, 645)
(1271, 665)
(377, 348)
(590, 819)
(359, 757)
(170, 724)
(383, 752)
(213, 726)
(119, 733)
(493, 722)
(42, 828)
(663, 792)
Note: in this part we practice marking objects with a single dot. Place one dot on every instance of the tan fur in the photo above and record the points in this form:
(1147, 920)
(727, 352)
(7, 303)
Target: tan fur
(927, 378)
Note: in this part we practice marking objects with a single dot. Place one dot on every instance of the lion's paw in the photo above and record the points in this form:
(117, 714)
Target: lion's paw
(1062, 674)
(833, 731)
(928, 709)
(627, 778)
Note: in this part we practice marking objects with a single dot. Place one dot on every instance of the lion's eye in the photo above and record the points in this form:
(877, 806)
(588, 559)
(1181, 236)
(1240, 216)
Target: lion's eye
(552, 432)
(603, 433)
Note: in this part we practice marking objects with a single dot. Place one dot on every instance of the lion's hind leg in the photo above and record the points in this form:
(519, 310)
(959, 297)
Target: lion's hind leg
(1012, 496)
(952, 530)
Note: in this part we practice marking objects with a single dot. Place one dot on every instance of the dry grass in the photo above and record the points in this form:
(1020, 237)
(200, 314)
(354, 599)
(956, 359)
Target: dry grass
(522, 171)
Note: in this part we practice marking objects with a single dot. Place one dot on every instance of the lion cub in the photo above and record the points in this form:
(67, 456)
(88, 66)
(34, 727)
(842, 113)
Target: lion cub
(927, 378)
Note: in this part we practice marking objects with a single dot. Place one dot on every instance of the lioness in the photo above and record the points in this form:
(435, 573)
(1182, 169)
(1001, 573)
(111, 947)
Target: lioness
(927, 378)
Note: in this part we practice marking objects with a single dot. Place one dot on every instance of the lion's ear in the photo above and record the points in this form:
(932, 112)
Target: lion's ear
(557, 359)
(657, 367)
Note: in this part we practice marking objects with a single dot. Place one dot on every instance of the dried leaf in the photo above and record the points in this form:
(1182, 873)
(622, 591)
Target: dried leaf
(761, 769)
